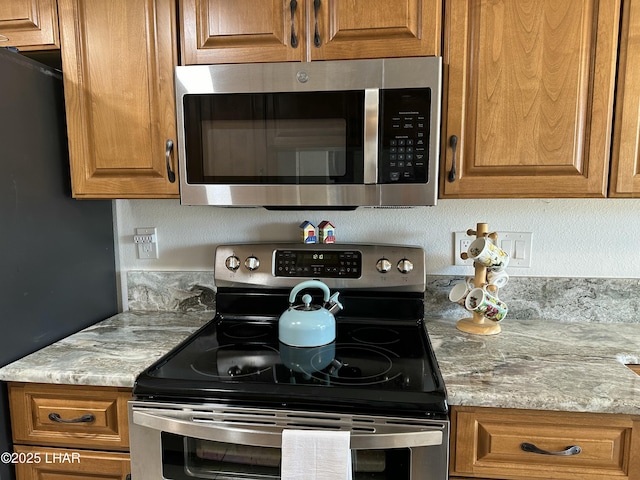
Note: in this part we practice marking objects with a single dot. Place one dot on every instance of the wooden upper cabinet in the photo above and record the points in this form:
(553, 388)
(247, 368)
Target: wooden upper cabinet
(529, 98)
(240, 31)
(29, 24)
(625, 162)
(375, 29)
(245, 31)
(118, 58)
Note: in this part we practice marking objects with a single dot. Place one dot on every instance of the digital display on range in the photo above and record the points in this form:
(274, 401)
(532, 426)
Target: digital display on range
(318, 263)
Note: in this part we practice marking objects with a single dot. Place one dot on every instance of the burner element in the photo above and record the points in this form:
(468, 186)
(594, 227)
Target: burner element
(376, 335)
(246, 331)
(236, 361)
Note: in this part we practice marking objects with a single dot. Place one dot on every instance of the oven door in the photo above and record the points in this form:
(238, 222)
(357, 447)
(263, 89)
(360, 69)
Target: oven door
(179, 442)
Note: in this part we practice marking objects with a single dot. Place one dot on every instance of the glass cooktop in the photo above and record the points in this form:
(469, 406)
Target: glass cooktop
(373, 364)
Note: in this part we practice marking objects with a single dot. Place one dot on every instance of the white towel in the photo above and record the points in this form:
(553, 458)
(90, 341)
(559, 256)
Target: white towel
(315, 455)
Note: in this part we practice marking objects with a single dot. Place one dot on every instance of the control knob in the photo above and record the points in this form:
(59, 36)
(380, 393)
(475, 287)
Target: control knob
(252, 263)
(232, 263)
(383, 265)
(405, 266)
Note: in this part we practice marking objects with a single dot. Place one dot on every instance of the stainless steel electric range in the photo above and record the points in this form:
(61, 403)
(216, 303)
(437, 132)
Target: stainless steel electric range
(215, 407)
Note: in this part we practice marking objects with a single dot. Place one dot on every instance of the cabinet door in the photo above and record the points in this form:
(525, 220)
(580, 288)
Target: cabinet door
(38, 463)
(29, 24)
(374, 28)
(242, 31)
(118, 58)
(625, 163)
(530, 95)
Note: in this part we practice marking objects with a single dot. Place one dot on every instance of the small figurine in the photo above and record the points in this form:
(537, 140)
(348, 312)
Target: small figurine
(327, 232)
(308, 232)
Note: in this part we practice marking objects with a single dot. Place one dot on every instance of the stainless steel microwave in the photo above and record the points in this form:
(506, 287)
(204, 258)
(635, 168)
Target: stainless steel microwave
(333, 134)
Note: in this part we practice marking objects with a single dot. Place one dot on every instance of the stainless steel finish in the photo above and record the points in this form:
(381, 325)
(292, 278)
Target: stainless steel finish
(371, 278)
(405, 266)
(383, 265)
(367, 75)
(232, 263)
(428, 439)
(267, 434)
(371, 114)
(334, 305)
(252, 263)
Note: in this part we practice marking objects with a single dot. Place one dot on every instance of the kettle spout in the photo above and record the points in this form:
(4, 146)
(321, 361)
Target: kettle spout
(334, 305)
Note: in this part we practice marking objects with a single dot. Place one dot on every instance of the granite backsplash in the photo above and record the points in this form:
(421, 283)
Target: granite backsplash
(597, 300)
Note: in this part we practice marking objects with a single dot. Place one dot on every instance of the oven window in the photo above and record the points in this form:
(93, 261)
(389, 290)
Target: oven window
(275, 138)
(189, 458)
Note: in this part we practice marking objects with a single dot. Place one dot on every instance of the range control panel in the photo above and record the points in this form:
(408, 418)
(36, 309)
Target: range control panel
(267, 265)
(318, 263)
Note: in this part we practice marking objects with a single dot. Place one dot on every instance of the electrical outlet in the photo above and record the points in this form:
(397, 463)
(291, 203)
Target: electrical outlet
(516, 244)
(461, 244)
(147, 241)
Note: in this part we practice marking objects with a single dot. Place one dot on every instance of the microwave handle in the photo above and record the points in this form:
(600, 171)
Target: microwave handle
(272, 437)
(371, 120)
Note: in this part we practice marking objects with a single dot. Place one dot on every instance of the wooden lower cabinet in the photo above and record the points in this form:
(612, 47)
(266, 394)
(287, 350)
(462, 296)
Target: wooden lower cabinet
(38, 463)
(69, 431)
(488, 443)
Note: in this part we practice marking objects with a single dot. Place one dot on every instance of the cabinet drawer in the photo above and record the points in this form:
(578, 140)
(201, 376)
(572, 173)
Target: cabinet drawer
(37, 463)
(488, 442)
(69, 415)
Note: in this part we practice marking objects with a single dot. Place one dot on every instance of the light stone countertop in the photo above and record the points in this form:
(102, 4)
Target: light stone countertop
(542, 365)
(531, 364)
(110, 353)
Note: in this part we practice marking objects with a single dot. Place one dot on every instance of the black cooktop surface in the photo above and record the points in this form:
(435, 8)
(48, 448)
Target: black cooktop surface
(376, 364)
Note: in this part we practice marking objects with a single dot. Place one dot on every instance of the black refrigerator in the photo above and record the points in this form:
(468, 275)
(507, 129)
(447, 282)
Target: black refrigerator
(57, 261)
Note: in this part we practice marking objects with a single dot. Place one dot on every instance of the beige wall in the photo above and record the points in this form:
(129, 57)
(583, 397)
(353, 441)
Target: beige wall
(574, 238)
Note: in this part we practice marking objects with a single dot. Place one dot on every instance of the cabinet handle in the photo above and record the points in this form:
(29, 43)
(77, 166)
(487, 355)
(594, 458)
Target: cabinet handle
(294, 38)
(316, 35)
(530, 447)
(453, 143)
(169, 148)
(88, 418)
(3, 38)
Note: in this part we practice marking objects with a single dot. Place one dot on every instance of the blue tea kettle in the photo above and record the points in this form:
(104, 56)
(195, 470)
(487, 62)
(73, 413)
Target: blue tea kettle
(306, 324)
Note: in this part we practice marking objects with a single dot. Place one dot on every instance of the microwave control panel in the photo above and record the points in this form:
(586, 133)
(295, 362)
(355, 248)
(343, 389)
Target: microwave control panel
(404, 135)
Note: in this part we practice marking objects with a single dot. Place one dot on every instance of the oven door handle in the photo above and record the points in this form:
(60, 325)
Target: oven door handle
(272, 436)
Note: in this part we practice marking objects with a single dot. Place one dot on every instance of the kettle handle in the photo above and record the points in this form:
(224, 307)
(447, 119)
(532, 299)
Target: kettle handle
(309, 284)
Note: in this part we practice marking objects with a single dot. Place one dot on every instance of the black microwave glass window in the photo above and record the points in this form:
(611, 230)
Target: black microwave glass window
(275, 138)
(404, 135)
